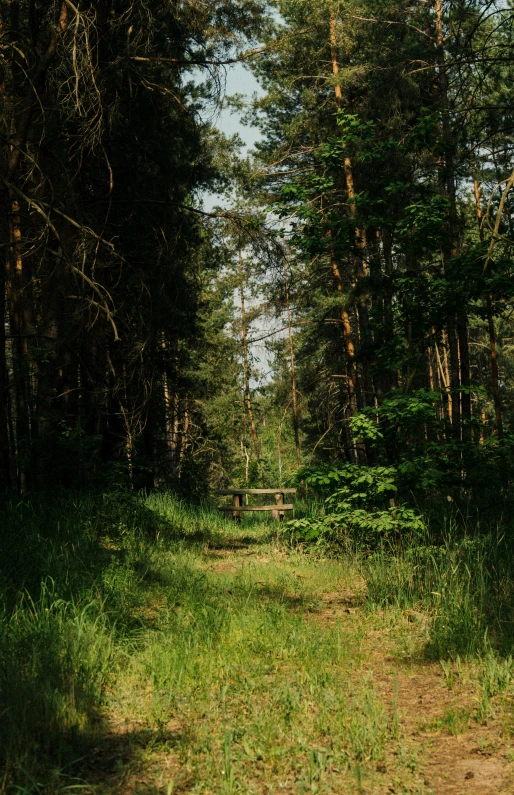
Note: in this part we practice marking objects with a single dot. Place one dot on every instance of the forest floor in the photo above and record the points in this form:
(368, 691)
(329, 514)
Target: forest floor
(261, 669)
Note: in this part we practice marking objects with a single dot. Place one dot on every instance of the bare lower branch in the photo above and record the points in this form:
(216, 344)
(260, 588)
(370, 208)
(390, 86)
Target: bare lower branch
(496, 236)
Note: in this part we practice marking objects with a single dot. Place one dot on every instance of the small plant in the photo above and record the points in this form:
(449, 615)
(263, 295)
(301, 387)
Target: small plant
(317, 765)
(228, 768)
(449, 675)
(453, 721)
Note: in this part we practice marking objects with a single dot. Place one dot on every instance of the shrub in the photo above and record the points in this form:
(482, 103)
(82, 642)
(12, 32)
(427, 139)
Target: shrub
(360, 506)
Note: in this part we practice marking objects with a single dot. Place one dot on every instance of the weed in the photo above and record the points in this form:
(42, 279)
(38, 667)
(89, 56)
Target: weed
(228, 769)
(449, 675)
(453, 721)
(395, 718)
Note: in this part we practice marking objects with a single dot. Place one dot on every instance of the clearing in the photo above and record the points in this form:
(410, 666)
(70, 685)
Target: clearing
(262, 669)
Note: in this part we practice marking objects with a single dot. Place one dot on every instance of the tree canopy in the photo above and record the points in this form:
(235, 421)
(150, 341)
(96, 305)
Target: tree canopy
(371, 226)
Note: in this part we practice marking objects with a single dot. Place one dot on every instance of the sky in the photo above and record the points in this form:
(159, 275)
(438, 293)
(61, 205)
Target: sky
(240, 80)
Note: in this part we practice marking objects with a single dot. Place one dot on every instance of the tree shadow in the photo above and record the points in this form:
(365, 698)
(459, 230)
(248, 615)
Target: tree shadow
(114, 760)
(235, 543)
(77, 546)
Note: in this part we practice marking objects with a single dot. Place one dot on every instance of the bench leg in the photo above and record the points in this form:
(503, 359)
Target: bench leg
(278, 515)
(237, 501)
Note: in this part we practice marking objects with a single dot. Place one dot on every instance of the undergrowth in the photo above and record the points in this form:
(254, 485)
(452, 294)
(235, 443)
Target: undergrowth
(73, 578)
(455, 567)
(125, 605)
(461, 582)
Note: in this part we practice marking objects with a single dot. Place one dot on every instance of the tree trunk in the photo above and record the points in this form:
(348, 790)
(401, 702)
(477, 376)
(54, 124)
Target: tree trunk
(170, 411)
(457, 323)
(296, 423)
(184, 436)
(495, 376)
(32, 99)
(18, 301)
(465, 380)
(453, 345)
(5, 474)
(444, 379)
(19, 112)
(360, 264)
(387, 245)
(5, 470)
(354, 391)
(246, 362)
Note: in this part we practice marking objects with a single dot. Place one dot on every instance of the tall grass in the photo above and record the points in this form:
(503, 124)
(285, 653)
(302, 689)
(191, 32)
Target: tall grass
(72, 580)
(462, 582)
(126, 603)
(55, 657)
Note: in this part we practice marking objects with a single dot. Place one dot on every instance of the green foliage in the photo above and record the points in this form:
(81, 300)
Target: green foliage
(399, 417)
(357, 509)
(365, 428)
(423, 222)
(370, 483)
(376, 180)
(120, 612)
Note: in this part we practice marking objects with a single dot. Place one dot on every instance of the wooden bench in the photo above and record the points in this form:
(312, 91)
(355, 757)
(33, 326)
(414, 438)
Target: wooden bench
(237, 508)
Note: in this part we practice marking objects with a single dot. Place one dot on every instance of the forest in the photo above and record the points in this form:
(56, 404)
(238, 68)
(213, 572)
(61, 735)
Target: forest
(329, 310)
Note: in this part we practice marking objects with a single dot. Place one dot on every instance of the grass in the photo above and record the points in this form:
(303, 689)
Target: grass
(148, 646)
(462, 584)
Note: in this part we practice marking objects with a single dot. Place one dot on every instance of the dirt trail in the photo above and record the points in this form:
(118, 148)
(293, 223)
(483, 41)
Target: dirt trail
(475, 761)
(278, 710)
(464, 757)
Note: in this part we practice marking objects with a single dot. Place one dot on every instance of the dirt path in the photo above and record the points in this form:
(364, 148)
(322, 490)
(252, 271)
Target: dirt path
(301, 687)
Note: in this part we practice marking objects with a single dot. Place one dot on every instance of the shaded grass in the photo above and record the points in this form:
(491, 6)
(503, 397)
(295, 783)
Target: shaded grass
(153, 647)
(73, 578)
(131, 636)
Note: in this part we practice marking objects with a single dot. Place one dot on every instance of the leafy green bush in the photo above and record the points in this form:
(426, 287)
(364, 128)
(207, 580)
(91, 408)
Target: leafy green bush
(360, 506)
(406, 431)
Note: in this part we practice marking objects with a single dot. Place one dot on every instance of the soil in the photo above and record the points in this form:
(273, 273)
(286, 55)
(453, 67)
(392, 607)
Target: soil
(456, 755)
(474, 761)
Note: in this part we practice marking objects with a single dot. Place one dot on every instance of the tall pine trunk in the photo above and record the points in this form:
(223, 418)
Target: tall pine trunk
(5, 468)
(18, 292)
(387, 247)
(457, 323)
(5, 474)
(296, 419)
(354, 388)
(246, 362)
(360, 264)
(493, 352)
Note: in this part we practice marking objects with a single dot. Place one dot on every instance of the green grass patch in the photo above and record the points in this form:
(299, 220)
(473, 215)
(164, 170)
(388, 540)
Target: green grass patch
(146, 641)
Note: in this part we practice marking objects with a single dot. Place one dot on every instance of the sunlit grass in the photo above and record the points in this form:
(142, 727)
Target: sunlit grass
(146, 637)
(463, 586)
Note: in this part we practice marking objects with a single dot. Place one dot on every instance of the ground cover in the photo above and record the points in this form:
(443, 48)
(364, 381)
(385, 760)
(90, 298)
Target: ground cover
(207, 658)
